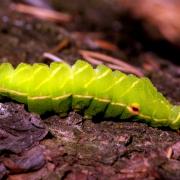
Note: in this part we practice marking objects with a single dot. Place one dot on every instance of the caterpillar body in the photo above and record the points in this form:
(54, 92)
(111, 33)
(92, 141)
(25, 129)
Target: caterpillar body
(112, 94)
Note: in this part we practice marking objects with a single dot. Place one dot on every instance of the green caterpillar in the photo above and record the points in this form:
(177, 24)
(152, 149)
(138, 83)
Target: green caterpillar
(101, 91)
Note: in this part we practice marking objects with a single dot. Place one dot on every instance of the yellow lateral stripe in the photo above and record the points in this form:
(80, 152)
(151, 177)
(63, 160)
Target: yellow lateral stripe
(13, 92)
(46, 80)
(51, 76)
(104, 74)
(55, 71)
(154, 109)
(61, 97)
(133, 85)
(34, 73)
(88, 83)
(119, 104)
(119, 80)
(102, 100)
(80, 70)
(178, 118)
(144, 116)
(39, 97)
(81, 96)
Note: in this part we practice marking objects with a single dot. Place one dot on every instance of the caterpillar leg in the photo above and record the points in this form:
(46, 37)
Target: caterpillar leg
(79, 102)
(62, 104)
(114, 110)
(39, 105)
(97, 106)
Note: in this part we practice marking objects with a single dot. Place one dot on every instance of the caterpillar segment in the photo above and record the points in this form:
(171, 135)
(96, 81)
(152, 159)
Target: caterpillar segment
(83, 75)
(100, 91)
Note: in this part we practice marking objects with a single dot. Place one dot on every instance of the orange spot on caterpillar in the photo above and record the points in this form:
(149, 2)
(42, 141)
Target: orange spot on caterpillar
(134, 108)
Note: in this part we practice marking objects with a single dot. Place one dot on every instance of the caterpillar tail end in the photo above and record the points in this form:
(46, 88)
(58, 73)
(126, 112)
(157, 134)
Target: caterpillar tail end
(175, 117)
